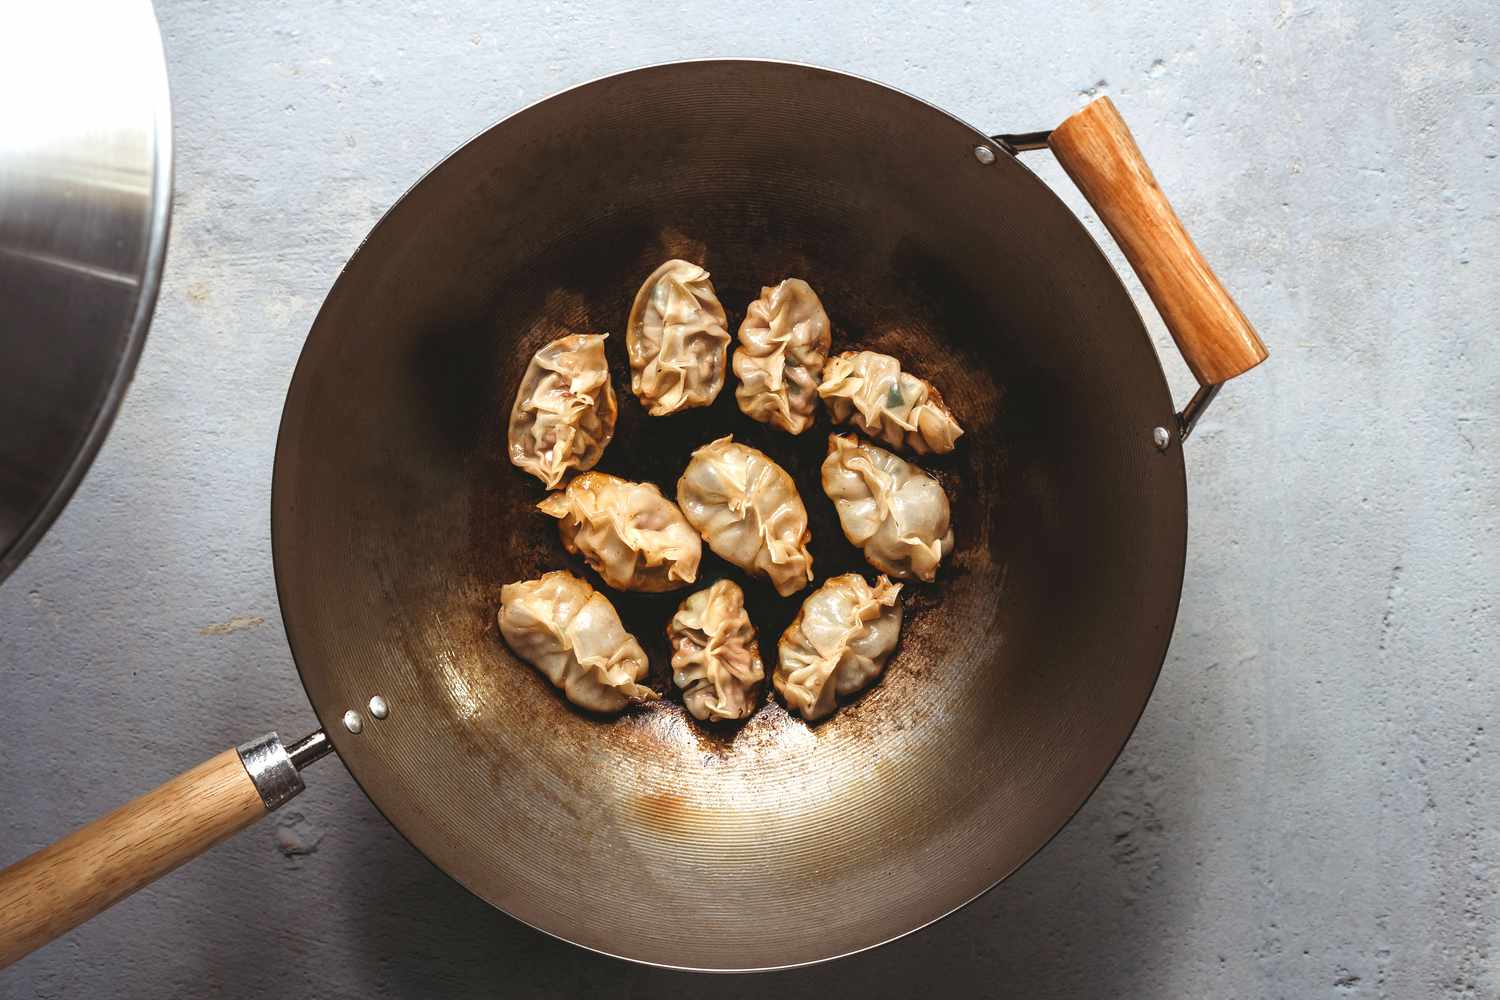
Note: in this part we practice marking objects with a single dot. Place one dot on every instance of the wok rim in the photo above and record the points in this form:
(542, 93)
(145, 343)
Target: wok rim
(331, 727)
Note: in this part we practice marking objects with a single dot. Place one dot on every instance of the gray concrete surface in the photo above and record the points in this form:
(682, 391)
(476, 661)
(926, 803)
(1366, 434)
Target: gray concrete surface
(1309, 805)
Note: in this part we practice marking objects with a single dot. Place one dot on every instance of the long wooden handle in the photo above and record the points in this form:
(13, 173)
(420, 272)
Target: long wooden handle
(1097, 150)
(59, 887)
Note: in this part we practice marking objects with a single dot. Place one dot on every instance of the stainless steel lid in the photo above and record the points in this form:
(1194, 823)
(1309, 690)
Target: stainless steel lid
(85, 194)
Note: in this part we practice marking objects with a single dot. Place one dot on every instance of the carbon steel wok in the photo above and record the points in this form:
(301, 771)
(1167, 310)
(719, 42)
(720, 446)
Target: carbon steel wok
(395, 519)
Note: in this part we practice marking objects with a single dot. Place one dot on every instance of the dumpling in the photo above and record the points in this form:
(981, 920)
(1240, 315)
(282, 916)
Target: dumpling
(837, 644)
(747, 508)
(715, 659)
(890, 508)
(564, 413)
(871, 391)
(784, 342)
(677, 339)
(628, 532)
(572, 634)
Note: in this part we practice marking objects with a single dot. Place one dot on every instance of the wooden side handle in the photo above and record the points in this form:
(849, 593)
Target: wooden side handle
(59, 887)
(1097, 150)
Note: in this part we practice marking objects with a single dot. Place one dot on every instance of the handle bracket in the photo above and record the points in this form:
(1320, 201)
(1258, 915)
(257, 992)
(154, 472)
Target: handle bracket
(309, 749)
(1195, 407)
(1022, 142)
(1099, 153)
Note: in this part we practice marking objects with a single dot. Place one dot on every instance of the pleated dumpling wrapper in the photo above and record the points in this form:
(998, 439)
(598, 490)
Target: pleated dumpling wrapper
(715, 659)
(747, 508)
(871, 391)
(632, 536)
(573, 635)
(784, 342)
(564, 413)
(837, 644)
(891, 509)
(677, 338)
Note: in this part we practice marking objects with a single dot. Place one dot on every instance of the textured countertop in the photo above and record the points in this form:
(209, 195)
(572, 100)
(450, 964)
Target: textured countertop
(1309, 807)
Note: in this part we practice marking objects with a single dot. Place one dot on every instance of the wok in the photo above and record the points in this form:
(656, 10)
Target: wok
(396, 518)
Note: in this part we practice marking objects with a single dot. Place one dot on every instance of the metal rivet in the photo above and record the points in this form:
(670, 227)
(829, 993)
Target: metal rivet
(378, 708)
(984, 154)
(1161, 437)
(353, 722)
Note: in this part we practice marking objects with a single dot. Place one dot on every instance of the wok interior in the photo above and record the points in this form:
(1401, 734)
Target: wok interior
(1020, 672)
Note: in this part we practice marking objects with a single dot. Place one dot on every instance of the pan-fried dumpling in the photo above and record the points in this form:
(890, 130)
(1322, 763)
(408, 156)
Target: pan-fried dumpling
(871, 391)
(890, 508)
(837, 644)
(676, 338)
(715, 660)
(572, 634)
(784, 342)
(747, 508)
(628, 532)
(565, 410)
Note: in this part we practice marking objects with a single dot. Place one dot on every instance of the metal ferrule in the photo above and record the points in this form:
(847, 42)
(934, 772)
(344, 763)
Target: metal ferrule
(271, 768)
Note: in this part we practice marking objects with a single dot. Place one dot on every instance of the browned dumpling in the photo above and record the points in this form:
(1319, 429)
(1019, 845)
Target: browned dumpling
(628, 532)
(748, 510)
(715, 659)
(891, 509)
(784, 342)
(573, 635)
(871, 391)
(677, 338)
(564, 413)
(837, 644)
